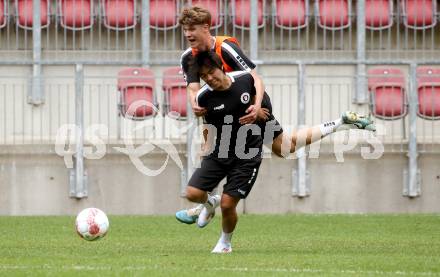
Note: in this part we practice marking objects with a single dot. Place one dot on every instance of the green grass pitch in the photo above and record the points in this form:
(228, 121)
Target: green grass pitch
(263, 245)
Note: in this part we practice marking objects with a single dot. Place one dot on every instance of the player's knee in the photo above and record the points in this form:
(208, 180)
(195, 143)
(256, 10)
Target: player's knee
(228, 209)
(228, 205)
(277, 151)
(193, 194)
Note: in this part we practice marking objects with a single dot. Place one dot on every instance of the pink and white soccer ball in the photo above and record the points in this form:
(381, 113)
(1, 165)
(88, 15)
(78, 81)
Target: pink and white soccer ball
(92, 224)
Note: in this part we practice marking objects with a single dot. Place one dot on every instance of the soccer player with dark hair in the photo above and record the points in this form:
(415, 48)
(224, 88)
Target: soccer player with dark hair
(236, 152)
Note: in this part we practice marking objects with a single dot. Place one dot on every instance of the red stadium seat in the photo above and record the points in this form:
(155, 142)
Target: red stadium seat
(137, 98)
(164, 14)
(378, 14)
(24, 13)
(387, 88)
(291, 14)
(3, 13)
(174, 88)
(333, 14)
(75, 14)
(119, 14)
(419, 14)
(428, 90)
(215, 7)
(241, 13)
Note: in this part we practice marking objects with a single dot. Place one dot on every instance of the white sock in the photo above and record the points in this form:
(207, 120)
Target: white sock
(330, 127)
(210, 202)
(226, 237)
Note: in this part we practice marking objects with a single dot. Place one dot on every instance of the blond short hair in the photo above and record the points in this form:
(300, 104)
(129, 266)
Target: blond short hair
(195, 16)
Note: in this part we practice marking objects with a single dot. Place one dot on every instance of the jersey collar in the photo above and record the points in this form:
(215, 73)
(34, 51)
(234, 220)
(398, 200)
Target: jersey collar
(231, 77)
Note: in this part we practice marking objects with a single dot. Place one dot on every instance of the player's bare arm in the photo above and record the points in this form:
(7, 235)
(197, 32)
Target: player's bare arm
(263, 113)
(192, 90)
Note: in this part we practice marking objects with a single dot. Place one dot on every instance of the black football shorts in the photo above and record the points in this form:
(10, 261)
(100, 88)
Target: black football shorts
(240, 175)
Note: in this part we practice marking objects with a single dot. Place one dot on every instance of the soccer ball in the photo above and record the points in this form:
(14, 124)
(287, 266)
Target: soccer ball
(91, 224)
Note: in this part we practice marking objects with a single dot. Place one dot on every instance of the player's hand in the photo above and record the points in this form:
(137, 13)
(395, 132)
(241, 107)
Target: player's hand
(251, 116)
(205, 149)
(263, 114)
(198, 111)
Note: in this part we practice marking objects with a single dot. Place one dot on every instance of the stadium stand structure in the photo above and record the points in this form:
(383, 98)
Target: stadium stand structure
(164, 14)
(24, 13)
(76, 14)
(174, 89)
(240, 11)
(137, 96)
(387, 88)
(393, 30)
(294, 14)
(378, 14)
(291, 14)
(333, 14)
(3, 13)
(428, 91)
(119, 14)
(214, 7)
(419, 14)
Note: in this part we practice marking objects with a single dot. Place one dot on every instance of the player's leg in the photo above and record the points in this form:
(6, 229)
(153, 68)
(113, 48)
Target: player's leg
(292, 142)
(208, 210)
(202, 213)
(189, 216)
(229, 213)
(219, 168)
(229, 221)
(204, 179)
(240, 181)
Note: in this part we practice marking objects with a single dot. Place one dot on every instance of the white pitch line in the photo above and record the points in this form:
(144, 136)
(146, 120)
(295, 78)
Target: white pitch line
(232, 269)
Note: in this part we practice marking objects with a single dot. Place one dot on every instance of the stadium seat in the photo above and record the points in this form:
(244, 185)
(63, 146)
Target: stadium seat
(24, 13)
(387, 93)
(215, 7)
(174, 88)
(3, 13)
(291, 14)
(378, 14)
(75, 14)
(241, 13)
(428, 90)
(164, 14)
(136, 89)
(419, 14)
(119, 14)
(333, 14)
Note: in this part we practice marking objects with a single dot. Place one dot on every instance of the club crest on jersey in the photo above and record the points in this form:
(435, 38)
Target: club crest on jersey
(245, 98)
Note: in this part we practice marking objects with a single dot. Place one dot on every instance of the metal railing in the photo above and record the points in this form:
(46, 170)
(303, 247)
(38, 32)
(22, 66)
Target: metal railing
(149, 34)
(326, 96)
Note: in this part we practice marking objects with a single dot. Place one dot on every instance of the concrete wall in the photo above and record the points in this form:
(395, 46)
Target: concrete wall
(34, 181)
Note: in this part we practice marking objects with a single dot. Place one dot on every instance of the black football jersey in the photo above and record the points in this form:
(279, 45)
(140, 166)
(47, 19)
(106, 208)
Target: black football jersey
(224, 109)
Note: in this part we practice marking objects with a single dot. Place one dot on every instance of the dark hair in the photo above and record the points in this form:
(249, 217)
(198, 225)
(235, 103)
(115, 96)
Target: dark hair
(195, 16)
(207, 59)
